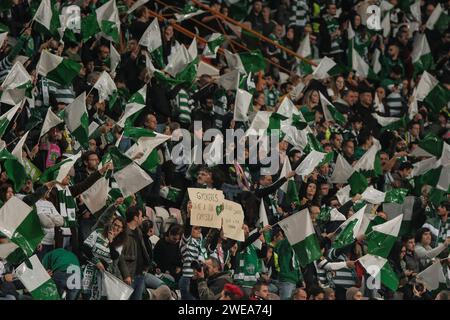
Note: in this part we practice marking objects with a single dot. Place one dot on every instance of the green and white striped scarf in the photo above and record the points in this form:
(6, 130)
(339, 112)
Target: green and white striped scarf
(67, 206)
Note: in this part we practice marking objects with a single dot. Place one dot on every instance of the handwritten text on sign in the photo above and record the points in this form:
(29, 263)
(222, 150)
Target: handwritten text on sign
(233, 219)
(207, 206)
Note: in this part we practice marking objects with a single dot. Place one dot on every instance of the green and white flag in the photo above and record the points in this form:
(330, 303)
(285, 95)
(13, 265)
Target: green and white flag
(289, 188)
(432, 276)
(342, 171)
(213, 153)
(241, 105)
(146, 143)
(215, 40)
(14, 165)
(415, 11)
(350, 229)
(358, 183)
(20, 224)
(105, 86)
(304, 50)
(77, 120)
(300, 233)
(187, 12)
(17, 151)
(384, 121)
(47, 17)
(129, 176)
(379, 268)
(15, 85)
(422, 58)
(287, 109)
(383, 237)
(230, 80)
(37, 280)
(386, 24)
(324, 69)
(89, 26)
(60, 170)
(312, 160)
(370, 161)
(264, 221)
(422, 167)
(170, 193)
(361, 67)
(430, 91)
(435, 16)
(56, 68)
(432, 144)
(135, 104)
(6, 118)
(136, 5)
(115, 59)
(108, 21)
(330, 112)
(96, 196)
(151, 39)
(376, 64)
(393, 210)
(246, 62)
(12, 253)
(375, 196)
(115, 288)
(206, 68)
(179, 60)
(51, 120)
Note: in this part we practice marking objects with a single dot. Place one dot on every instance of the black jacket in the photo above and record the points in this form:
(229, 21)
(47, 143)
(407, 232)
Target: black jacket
(167, 256)
(129, 258)
(263, 194)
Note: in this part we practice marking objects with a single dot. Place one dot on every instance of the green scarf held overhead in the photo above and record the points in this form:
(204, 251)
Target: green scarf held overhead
(67, 206)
